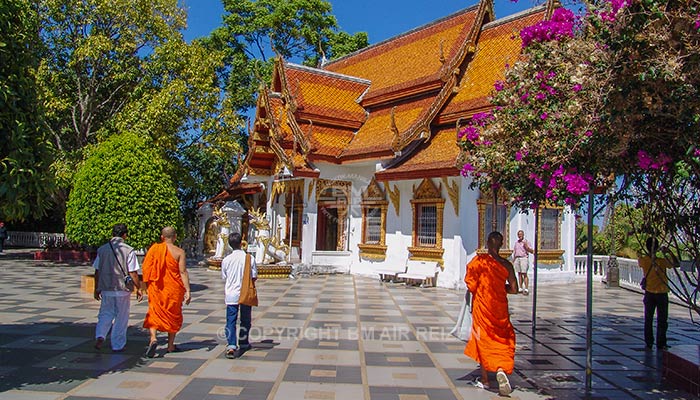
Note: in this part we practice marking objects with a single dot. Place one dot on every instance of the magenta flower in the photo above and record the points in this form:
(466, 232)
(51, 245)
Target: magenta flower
(518, 156)
(570, 201)
(576, 184)
(696, 153)
(576, 88)
(467, 169)
(540, 96)
(538, 181)
(471, 132)
(499, 85)
(544, 116)
(549, 194)
(552, 182)
(559, 172)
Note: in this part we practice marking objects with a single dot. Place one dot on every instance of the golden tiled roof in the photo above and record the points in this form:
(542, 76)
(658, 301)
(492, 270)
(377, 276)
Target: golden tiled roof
(321, 93)
(376, 134)
(327, 141)
(409, 58)
(499, 45)
(439, 154)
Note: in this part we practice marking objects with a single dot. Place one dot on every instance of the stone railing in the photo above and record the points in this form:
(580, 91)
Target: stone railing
(631, 275)
(34, 239)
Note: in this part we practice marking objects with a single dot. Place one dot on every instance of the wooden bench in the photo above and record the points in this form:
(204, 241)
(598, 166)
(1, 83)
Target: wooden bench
(424, 272)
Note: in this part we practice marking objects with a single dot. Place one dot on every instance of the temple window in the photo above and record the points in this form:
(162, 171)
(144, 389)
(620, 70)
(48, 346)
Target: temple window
(428, 207)
(486, 214)
(374, 207)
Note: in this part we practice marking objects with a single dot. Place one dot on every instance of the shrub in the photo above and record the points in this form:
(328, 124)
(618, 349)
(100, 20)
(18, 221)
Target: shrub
(122, 181)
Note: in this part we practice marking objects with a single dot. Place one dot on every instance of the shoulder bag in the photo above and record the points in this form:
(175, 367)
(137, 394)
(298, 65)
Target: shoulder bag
(128, 280)
(249, 294)
(463, 327)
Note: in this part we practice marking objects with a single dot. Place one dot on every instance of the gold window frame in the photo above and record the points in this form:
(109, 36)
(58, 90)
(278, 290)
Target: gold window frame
(485, 200)
(427, 194)
(549, 256)
(373, 197)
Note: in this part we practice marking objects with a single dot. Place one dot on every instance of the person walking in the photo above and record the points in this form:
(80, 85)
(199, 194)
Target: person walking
(490, 278)
(3, 236)
(232, 269)
(165, 273)
(114, 262)
(655, 294)
(520, 261)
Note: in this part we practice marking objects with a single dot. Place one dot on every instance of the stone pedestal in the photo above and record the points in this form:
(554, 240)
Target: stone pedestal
(612, 277)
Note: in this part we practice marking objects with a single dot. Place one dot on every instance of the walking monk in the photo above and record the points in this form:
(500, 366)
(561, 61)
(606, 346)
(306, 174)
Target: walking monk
(492, 344)
(165, 273)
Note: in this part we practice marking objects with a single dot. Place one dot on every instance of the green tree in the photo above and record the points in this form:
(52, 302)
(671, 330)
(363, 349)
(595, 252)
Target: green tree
(255, 29)
(26, 183)
(123, 65)
(124, 180)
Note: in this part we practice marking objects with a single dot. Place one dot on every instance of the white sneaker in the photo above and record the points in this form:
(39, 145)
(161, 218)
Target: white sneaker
(526, 292)
(504, 388)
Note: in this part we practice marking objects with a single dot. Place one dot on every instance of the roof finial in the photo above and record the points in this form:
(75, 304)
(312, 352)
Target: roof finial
(395, 130)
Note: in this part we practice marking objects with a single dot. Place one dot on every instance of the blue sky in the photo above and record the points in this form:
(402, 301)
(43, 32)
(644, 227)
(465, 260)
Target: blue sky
(381, 19)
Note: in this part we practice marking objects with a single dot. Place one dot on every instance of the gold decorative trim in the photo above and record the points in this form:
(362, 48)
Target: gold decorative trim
(427, 194)
(550, 256)
(427, 191)
(374, 197)
(482, 203)
(452, 193)
(557, 223)
(287, 186)
(427, 254)
(375, 252)
(395, 197)
(323, 184)
(312, 183)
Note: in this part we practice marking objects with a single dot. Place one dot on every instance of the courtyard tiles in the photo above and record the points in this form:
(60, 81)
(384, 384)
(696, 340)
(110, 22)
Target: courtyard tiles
(320, 337)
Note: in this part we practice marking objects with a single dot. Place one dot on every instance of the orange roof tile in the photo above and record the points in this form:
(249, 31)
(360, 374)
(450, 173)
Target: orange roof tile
(410, 58)
(376, 134)
(323, 93)
(499, 45)
(327, 141)
(437, 155)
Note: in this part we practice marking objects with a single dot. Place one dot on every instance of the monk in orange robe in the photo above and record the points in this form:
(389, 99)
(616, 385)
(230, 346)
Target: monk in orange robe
(492, 343)
(165, 273)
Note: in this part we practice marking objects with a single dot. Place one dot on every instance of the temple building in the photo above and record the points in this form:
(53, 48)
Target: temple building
(356, 163)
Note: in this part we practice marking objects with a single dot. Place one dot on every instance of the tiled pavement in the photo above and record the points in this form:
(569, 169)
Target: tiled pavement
(320, 337)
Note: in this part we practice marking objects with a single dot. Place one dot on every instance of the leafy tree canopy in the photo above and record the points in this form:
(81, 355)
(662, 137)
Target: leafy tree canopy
(26, 183)
(124, 180)
(255, 29)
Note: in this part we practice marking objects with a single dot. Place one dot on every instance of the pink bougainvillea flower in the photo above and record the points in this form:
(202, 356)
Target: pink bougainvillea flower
(559, 172)
(499, 85)
(467, 169)
(544, 116)
(576, 184)
(577, 87)
(570, 201)
(518, 156)
(696, 153)
(538, 181)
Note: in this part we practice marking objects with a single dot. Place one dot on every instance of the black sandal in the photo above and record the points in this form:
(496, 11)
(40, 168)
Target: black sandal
(151, 349)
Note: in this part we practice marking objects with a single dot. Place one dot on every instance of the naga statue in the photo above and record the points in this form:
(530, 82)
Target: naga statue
(272, 247)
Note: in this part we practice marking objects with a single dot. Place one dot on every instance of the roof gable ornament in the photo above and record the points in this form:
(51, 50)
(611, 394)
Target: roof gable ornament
(427, 190)
(396, 142)
(373, 192)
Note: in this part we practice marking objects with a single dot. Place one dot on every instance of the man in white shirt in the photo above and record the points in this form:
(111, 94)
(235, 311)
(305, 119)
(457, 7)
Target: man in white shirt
(114, 261)
(232, 268)
(520, 261)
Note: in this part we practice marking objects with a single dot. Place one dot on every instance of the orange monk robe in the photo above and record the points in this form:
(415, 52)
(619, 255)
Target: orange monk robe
(166, 291)
(492, 343)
